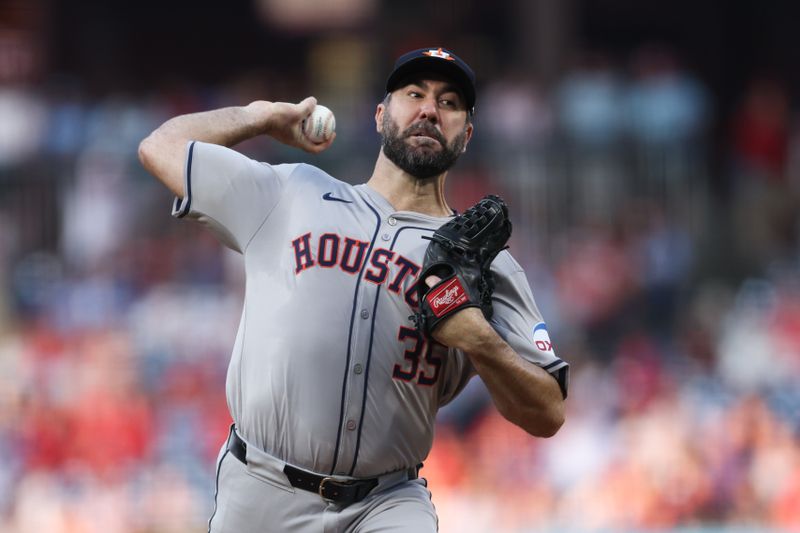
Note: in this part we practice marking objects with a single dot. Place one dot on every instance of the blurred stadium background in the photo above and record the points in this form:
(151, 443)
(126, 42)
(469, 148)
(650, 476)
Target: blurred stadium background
(650, 153)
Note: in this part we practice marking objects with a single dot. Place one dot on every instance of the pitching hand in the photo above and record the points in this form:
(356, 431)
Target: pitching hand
(284, 123)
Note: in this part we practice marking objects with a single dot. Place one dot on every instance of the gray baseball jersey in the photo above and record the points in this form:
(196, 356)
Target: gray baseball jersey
(327, 372)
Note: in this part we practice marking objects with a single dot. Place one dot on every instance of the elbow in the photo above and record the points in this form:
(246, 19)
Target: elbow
(145, 153)
(544, 423)
(550, 424)
(161, 156)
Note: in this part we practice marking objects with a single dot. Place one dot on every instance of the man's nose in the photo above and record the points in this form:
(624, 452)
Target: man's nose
(428, 110)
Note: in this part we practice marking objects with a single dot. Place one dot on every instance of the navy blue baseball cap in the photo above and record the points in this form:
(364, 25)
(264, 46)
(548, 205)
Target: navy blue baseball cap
(435, 60)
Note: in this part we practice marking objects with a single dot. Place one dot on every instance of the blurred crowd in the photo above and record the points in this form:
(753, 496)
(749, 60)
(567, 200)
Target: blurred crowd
(662, 242)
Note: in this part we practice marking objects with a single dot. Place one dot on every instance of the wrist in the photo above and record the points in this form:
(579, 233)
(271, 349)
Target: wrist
(258, 115)
(467, 331)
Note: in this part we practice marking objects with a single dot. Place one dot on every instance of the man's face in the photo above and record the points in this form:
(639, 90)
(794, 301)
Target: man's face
(423, 127)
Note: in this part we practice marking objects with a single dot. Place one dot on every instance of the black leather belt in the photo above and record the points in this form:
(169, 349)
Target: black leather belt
(345, 492)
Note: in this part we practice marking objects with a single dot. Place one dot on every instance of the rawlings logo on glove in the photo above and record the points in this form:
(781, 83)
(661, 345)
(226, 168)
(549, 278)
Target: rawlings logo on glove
(461, 253)
(451, 294)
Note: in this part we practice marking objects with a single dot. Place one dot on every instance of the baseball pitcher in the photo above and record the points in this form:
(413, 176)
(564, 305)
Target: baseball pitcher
(366, 309)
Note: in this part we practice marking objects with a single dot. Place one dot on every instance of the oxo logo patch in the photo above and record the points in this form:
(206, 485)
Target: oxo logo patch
(447, 297)
(541, 338)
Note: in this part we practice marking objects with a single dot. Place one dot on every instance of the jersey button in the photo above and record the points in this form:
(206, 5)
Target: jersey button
(351, 425)
(364, 313)
(386, 236)
(358, 368)
(392, 221)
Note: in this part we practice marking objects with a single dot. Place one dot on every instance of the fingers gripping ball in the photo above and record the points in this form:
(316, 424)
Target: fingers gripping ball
(319, 126)
(461, 253)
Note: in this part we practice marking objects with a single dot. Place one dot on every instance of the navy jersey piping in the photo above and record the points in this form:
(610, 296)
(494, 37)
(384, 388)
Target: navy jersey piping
(216, 479)
(188, 204)
(350, 339)
(561, 375)
(554, 363)
(369, 353)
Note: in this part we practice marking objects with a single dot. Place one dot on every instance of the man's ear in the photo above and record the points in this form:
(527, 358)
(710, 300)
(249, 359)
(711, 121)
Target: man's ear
(381, 109)
(469, 129)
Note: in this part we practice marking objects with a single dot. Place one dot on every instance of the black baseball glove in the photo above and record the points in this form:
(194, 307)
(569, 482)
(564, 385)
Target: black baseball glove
(460, 253)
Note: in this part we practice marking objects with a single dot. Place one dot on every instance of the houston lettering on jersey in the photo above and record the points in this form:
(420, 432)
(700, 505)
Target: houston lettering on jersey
(331, 250)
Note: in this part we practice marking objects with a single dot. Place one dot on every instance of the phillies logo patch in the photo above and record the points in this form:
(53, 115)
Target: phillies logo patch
(541, 339)
(447, 297)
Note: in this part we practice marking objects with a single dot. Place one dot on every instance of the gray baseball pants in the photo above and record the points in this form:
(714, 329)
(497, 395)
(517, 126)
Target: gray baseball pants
(257, 497)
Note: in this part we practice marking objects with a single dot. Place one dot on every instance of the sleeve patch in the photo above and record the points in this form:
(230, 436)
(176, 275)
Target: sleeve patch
(541, 339)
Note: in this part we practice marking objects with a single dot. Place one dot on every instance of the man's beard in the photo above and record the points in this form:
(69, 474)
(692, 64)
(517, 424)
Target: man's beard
(419, 162)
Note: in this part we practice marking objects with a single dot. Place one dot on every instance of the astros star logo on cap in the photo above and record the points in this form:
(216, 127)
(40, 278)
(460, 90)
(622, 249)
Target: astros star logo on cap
(439, 53)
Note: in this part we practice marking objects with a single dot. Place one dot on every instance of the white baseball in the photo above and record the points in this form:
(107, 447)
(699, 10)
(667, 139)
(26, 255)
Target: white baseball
(319, 125)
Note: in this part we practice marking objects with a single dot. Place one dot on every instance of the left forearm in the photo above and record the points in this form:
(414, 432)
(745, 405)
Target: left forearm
(524, 393)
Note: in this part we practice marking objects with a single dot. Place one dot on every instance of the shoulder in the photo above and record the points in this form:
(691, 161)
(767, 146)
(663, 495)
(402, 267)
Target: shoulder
(303, 173)
(505, 264)
(509, 275)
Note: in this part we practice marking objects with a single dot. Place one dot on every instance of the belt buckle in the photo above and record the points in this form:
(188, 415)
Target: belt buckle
(322, 487)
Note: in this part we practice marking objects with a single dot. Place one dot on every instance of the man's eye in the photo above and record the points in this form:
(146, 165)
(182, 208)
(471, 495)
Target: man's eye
(414, 94)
